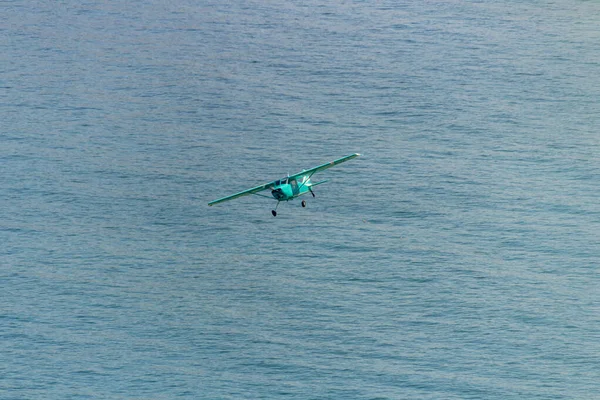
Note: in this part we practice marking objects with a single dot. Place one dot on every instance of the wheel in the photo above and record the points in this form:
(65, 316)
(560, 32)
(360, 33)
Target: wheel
(274, 213)
(303, 203)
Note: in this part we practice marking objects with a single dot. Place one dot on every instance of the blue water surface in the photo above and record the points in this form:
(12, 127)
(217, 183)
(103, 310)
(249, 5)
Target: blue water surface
(456, 259)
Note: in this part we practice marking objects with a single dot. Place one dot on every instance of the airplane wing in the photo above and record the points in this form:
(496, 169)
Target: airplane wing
(244, 193)
(270, 185)
(312, 171)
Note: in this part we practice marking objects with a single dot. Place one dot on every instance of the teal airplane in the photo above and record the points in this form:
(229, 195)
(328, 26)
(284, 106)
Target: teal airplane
(289, 188)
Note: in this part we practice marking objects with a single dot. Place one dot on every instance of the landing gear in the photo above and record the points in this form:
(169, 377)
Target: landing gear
(311, 192)
(303, 203)
(274, 212)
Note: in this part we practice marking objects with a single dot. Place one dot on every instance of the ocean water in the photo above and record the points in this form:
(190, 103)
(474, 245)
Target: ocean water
(456, 259)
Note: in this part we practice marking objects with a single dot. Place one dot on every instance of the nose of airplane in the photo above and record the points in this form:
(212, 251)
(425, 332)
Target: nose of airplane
(277, 193)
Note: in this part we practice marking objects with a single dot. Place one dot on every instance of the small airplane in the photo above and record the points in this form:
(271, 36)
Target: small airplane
(289, 188)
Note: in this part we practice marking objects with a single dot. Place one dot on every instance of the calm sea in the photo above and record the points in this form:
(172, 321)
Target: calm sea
(458, 258)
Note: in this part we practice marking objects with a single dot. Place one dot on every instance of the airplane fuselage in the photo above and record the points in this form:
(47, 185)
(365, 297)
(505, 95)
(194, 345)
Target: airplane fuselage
(287, 189)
